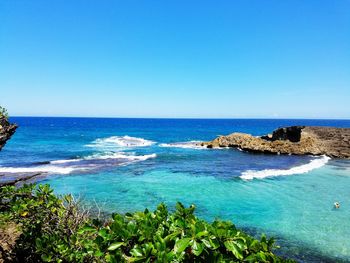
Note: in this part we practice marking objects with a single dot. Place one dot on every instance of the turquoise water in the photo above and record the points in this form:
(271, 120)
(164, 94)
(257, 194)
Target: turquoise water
(292, 199)
(297, 208)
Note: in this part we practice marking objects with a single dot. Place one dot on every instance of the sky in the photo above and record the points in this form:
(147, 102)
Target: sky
(176, 58)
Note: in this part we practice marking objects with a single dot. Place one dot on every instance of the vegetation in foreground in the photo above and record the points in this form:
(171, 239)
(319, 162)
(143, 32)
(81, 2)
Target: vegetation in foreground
(48, 228)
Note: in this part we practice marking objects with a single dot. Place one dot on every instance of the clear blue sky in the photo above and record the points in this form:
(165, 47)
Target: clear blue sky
(176, 58)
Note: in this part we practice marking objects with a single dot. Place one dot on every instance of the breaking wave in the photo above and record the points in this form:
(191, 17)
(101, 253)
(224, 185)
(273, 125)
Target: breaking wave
(106, 156)
(120, 142)
(313, 164)
(38, 169)
(94, 161)
(185, 145)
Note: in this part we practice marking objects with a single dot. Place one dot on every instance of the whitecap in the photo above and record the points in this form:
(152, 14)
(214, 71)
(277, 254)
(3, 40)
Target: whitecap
(119, 155)
(106, 156)
(184, 145)
(38, 169)
(301, 169)
(94, 161)
(120, 142)
(65, 161)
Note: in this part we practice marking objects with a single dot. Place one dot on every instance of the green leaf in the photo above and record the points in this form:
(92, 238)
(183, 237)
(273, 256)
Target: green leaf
(38, 243)
(86, 229)
(98, 253)
(136, 252)
(251, 258)
(202, 233)
(45, 258)
(115, 245)
(136, 259)
(214, 243)
(264, 246)
(110, 258)
(197, 248)
(231, 246)
(206, 243)
(262, 256)
(241, 243)
(181, 245)
(103, 233)
(172, 236)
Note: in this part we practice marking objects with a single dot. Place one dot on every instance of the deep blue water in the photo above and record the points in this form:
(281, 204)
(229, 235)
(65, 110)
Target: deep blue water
(291, 199)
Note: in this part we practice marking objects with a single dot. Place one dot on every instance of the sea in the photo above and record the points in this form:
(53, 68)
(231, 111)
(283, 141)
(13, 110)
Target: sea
(124, 165)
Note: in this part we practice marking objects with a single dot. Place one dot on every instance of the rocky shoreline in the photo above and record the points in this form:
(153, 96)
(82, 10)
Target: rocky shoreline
(6, 131)
(296, 140)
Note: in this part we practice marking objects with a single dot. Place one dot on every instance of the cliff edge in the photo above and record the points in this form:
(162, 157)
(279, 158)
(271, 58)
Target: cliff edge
(298, 140)
(6, 131)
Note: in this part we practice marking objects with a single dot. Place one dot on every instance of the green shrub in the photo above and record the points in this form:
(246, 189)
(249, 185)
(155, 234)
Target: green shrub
(42, 217)
(55, 230)
(3, 113)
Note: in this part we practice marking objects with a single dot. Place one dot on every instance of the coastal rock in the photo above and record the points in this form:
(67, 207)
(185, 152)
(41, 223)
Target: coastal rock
(298, 140)
(6, 131)
(18, 178)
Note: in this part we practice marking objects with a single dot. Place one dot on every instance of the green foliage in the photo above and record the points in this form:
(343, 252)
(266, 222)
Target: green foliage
(54, 230)
(46, 221)
(3, 113)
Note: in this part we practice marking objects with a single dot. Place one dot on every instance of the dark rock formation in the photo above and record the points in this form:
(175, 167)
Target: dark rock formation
(333, 142)
(6, 131)
(292, 134)
(17, 178)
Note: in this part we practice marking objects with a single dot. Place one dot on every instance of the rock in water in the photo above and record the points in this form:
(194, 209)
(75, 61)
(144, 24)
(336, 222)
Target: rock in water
(299, 140)
(6, 131)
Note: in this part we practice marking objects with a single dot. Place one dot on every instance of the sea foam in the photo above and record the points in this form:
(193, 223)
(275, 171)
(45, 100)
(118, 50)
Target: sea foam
(301, 169)
(184, 145)
(38, 169)
(120, 142)
(106, 156)
(94, 161)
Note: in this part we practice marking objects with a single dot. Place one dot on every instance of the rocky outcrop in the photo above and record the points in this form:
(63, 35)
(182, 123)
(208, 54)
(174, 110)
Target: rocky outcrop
(299, 140)
(6, 131)
(18, 178)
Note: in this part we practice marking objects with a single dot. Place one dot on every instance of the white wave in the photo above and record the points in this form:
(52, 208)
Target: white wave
(120, 141)
(143, 157)
(106, 156)
(185, 145)
(221, 148)
(80, 164)
(121, 155)
(38, 169)
(65, 161)
(305, 168)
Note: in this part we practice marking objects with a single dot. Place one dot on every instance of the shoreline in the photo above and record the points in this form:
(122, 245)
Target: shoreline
(295, 140)
(153, 191)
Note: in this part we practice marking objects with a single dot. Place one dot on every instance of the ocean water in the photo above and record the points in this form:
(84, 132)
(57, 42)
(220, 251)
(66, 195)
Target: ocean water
(132, 164)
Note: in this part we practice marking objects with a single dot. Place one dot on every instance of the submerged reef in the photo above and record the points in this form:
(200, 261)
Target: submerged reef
(298, 140)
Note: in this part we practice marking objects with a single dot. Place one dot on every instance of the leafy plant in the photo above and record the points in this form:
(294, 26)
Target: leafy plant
(3, 113)
(55, 230)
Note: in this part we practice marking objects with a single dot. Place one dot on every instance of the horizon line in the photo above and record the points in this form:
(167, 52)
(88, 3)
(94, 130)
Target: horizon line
(184, 118)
